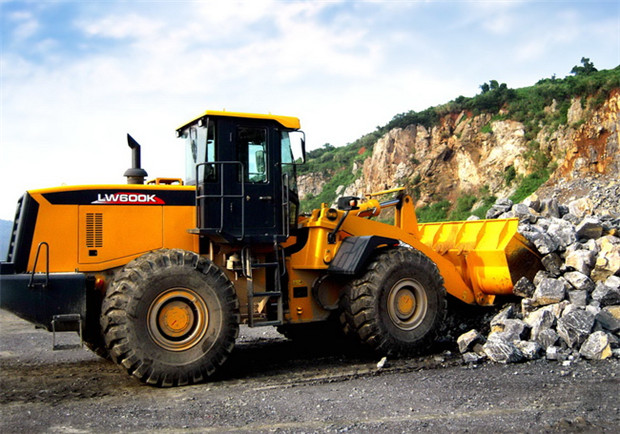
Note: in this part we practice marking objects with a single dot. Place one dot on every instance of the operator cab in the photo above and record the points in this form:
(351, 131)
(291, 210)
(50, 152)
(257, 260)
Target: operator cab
(243, 167)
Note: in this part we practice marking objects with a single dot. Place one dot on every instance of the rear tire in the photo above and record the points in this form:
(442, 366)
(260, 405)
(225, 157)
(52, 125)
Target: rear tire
(170, 318)
(398, 305)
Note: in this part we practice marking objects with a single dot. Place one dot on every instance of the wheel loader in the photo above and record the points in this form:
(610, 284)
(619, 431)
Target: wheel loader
(158, 276)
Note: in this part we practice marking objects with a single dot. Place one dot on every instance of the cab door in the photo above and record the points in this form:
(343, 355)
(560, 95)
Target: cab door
(262, 204)
(241, 191)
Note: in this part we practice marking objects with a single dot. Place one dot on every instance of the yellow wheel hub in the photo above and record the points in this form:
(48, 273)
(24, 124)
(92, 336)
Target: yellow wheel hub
(405, 303)
(178, 319)
(175, 318)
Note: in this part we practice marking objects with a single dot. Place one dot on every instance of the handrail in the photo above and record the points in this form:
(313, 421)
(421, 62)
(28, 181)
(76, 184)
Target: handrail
(221, 196)
(286, 206)
(47, 266)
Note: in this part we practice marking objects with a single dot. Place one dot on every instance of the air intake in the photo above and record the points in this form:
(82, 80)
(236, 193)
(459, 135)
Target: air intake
(94, 230)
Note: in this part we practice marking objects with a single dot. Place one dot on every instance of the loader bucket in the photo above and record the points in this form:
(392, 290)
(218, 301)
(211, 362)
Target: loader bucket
(490, 255)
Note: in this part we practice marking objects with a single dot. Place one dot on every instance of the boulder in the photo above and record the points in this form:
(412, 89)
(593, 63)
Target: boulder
(596, 347)
(592, 246)
(540, 275)
(533, 202)
(564, 232)
(539, 320)
(590, 227)
(578, 297)
(550, 208)
(548, 291)
(581, 260)
(467, 340)
(546, 243)
(608, 259)
(554, 353)
(528, 306)
(530, 349)
(575, 326)
(522, 212)
(581, 207)
(553, 263)
(594, 310)
(547, 338)
(501, 206)
(571, 218)
(511, 329)
(471, 357)
(500, 349)
(579, 280)
(506, 313)
(606, 295)
(613, 282)
(524, 288)
(609, 318)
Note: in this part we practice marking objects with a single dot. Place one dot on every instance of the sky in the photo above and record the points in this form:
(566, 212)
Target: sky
(77, 76)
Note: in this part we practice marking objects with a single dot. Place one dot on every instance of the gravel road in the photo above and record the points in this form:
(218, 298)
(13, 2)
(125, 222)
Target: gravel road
(274, 385)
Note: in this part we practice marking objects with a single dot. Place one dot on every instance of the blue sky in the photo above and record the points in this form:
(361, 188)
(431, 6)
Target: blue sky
(76, 76)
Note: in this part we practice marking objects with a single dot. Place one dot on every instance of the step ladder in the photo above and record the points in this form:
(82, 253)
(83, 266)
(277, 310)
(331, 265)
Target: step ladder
(248, 266)
(69, 322)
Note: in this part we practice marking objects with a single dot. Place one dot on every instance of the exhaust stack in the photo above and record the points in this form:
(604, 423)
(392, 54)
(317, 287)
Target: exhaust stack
(135, 174)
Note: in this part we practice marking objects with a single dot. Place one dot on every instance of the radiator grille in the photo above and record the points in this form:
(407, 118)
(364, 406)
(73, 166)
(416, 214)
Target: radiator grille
(94, 229)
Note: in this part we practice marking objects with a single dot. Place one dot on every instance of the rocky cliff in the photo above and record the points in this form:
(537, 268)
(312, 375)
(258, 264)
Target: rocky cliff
(488, 155)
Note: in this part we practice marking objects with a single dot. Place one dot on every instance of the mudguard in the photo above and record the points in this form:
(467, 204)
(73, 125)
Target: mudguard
(354, 253)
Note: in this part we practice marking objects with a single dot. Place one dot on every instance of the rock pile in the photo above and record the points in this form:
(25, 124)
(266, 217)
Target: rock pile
(571, 309)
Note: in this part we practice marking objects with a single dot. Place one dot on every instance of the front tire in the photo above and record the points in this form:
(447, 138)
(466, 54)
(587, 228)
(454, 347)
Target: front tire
(170, 318)
(398, 305)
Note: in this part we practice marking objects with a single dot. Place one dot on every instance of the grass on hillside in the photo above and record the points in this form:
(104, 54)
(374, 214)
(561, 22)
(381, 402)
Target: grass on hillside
(526, 105)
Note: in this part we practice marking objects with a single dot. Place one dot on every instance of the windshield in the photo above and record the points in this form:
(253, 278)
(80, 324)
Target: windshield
(199, 148)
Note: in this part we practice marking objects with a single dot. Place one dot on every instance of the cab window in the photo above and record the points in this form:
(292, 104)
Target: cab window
(199, 148)
(252, 149)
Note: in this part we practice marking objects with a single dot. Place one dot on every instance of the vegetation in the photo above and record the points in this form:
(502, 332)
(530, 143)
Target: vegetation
(327, 195)
(435, 212)
(463, 207)
(509, 175)
(545, 103)
(530, 184)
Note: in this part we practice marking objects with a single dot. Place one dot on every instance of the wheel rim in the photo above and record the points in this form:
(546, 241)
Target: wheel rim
(407, 304)
(178, 319)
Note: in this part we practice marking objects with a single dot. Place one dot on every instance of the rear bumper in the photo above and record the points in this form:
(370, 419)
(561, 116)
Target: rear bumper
(63, 293)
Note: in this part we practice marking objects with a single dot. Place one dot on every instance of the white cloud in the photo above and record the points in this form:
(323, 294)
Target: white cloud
(121, 27)
(26, 25)
(72, 89)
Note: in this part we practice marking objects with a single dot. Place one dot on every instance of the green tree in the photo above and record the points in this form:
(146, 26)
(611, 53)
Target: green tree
(586, 69)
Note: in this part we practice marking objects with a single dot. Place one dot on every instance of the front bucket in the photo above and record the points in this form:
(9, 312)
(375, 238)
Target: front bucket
(490, 255)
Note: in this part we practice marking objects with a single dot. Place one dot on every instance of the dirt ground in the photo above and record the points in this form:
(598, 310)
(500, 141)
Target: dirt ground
(274, 385)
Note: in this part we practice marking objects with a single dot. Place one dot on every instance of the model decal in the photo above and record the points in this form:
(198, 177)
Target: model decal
(124, 196)
(128, 198)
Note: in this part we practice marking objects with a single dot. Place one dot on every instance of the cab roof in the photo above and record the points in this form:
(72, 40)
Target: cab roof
(285, 121)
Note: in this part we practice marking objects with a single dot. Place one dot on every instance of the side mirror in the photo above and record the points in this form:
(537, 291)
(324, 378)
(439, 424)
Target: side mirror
(303, 148)
(298, 146)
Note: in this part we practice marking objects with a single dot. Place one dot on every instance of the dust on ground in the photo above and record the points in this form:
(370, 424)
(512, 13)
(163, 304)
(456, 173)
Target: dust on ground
(271, 384)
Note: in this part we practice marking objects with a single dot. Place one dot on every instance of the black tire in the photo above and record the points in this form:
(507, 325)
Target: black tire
(398, 305)
(97, 346)
(170, 318)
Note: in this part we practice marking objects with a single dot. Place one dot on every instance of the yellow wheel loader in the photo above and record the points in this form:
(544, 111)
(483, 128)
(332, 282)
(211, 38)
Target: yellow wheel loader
(159, 275)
